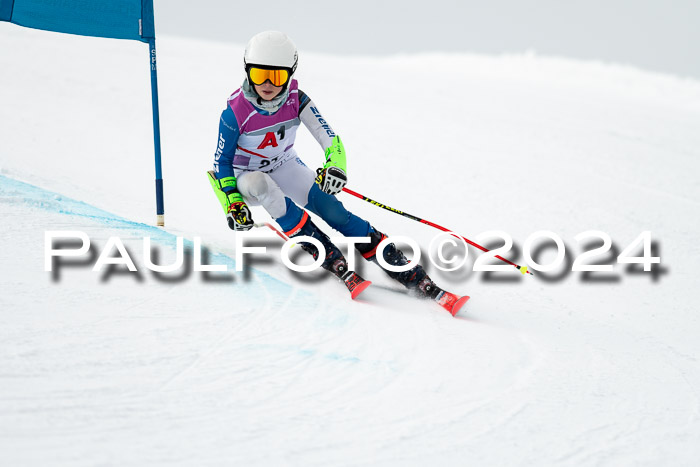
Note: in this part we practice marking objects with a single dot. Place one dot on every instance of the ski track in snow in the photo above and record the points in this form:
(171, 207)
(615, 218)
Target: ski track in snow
(276, 370)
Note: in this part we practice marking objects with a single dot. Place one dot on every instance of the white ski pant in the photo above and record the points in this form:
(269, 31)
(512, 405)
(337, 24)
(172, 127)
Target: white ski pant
(268, 189)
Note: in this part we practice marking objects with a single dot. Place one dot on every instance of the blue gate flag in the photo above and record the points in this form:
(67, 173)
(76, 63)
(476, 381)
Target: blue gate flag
(117, 19)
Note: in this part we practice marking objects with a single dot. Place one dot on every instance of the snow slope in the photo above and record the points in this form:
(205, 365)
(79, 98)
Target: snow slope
(279, 370)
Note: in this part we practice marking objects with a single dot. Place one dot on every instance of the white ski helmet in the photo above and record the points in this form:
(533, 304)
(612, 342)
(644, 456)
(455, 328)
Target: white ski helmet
(273, 49)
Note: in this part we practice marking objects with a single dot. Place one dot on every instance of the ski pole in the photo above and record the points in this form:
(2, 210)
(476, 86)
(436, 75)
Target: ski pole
(273, 228)
(522, 269)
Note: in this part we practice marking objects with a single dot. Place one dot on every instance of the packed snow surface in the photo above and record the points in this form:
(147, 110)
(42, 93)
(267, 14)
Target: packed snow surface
(275, 368)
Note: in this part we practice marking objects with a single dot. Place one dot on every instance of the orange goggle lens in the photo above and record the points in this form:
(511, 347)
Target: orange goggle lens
(260, 75)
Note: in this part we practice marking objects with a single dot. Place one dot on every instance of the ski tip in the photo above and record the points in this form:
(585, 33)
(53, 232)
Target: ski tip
(359, 289)
(458, 304)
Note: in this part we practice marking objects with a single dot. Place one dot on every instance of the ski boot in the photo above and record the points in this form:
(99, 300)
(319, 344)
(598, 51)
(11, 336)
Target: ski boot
(415, 279)
(334, 262)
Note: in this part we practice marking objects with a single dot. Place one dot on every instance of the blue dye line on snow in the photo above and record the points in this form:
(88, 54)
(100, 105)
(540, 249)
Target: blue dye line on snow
(17, 192)
(21, 192)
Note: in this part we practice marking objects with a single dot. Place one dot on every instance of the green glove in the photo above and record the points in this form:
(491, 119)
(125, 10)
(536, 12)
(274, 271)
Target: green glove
(331, 178)
(335, 155)
(237, 211)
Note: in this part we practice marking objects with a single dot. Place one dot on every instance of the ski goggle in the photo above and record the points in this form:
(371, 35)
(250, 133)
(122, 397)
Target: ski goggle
(277, 76)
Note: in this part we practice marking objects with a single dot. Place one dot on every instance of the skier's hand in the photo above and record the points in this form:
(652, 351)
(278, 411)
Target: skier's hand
(331, 179)
(238, 216)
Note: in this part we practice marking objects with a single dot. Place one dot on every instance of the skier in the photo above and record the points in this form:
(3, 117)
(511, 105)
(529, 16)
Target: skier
(256, 164)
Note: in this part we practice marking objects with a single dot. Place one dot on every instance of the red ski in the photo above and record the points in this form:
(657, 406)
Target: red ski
(451, 302)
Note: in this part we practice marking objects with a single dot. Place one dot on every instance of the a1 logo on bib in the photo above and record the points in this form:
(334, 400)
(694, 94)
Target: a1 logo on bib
(269, 140)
